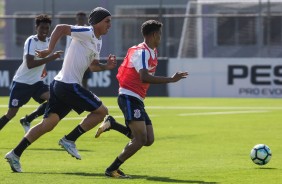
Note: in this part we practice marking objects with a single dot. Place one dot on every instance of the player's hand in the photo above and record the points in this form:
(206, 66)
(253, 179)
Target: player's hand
(111, 62)
(58, 54)
(42, 53)
(178, 76)
(44, 73)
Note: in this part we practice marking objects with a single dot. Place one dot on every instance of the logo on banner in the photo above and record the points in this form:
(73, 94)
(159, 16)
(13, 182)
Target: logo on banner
(262, 79)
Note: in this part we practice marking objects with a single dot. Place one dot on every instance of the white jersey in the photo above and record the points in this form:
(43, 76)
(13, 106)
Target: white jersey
(83, 49)
(68, 40)
(33, 75)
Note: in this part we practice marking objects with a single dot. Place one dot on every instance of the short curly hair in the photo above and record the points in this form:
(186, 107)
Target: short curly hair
(42, 19)
(150, 26)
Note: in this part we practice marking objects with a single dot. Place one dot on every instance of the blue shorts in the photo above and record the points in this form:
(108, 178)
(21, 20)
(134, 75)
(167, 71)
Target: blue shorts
(65, 97)
(133, 109)
(21, 93)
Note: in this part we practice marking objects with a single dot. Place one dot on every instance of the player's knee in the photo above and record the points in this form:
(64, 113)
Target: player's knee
(149, 142)
(142, 140)
(103, 110)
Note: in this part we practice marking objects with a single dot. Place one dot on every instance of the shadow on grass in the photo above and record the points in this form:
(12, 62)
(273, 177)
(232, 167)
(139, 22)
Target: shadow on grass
(49, 149)
(133, 177)
(168, 179)
(56, 149)
(267, 168)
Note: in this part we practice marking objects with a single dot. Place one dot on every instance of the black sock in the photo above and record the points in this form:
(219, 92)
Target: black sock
(73, 135)
(115, 165)
(39, 111)
(120, 128)
(21, 147)
(3, 121)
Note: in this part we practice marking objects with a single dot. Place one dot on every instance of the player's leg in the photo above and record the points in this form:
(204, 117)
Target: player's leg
(41, 94)
(55, 111)
(110, 123)
(82, 100)
(150, 130)
(139, 133)
(90, 121)
(47, 124)
(150, 135)
(8, 116)
(20, 94)
(26, 121)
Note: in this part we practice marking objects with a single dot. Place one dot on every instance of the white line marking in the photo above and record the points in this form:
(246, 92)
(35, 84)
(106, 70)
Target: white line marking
(185, 107)
(82, 117)
(219, 113)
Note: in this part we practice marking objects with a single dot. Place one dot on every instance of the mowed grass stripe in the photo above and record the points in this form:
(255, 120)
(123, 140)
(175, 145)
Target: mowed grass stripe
(187, 149)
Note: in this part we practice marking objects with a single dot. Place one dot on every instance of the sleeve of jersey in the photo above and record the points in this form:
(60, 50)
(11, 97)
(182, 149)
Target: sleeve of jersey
(140, 59)
(81, 33)
(29, 47)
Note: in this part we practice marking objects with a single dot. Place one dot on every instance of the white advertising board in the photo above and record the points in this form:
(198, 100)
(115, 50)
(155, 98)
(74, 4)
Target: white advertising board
(224, 77)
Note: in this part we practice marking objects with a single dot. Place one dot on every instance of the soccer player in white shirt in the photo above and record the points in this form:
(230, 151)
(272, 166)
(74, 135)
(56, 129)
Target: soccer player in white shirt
(27, 82)
(66, 92)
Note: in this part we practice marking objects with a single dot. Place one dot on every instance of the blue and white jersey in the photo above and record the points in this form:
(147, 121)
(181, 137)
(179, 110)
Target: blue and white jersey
(33, 75)
(83, 49)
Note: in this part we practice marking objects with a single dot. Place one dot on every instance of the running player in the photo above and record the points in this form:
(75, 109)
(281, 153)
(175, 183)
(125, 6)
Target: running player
(66, 92)
(27, 82)
(135, 75)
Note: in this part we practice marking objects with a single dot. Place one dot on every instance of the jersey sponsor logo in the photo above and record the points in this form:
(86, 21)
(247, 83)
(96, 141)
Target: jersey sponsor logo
(137, 113)
(15, 102)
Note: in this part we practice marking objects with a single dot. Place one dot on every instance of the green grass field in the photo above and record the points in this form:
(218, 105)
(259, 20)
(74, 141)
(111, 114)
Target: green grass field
(197, 140)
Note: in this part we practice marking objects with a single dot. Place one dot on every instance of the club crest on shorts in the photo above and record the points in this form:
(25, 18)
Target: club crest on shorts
(15, 102)
(137, 113)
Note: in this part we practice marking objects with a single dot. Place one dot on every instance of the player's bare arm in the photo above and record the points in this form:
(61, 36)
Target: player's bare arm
(59, 31)
(31, 63)
(97, 66)
(148, 78)
(44, 73)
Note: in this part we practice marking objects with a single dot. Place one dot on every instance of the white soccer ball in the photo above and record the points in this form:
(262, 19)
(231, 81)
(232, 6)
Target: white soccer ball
(261, 154)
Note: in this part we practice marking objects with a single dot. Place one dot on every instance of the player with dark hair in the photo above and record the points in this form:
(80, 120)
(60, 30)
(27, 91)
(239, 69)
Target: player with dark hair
(66, 92)
(135, 75)
(27, 82)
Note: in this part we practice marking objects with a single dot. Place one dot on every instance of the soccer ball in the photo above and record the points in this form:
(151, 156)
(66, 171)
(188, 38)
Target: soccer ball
(261, 154)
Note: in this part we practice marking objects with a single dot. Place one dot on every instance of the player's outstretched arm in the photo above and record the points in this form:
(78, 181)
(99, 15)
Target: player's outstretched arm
(59, 31)
(147, 78)
(32, 63)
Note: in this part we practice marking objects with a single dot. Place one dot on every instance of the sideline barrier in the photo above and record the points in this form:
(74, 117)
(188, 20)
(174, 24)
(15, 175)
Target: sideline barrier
(227, 77)
(102, 83)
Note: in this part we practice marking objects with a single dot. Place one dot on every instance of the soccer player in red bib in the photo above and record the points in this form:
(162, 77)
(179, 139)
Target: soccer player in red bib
(135, 75)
